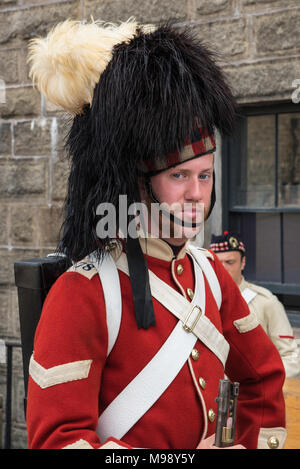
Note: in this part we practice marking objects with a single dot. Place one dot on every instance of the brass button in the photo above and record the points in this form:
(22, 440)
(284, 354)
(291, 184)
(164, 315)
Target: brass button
(179, 269)
(202, 382)
(273, 442)
(190, 293)
(195, 354)
(211, 415)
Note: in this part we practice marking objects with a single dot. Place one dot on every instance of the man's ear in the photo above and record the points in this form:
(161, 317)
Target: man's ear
(243, 262)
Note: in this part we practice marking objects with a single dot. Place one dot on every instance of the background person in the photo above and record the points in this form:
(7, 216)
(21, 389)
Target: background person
(270, 312)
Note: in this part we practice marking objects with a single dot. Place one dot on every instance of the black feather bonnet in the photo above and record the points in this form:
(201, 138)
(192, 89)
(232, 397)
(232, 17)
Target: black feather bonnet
(143, 104)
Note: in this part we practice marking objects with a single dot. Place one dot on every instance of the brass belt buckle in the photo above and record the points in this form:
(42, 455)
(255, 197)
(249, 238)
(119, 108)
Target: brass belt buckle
(191, 328)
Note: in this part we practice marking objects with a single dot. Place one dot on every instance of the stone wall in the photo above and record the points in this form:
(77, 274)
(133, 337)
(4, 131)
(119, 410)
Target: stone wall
(258, 42)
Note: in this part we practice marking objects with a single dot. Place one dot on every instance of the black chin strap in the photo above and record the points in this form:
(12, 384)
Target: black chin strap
(140, 285)
(213, 197)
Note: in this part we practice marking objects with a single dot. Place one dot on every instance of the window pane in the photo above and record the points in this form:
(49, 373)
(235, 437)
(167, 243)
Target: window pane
(291, 240)
(238, 166)
(289, 159)
(260, 233)
(253, 163)
(268, 258)
(261, 161)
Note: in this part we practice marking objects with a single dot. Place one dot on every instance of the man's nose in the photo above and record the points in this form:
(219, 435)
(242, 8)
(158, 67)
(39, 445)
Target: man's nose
(193, 190)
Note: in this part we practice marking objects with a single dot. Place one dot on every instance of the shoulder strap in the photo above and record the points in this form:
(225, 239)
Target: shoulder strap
(109, 277)
(248, 295)
(144, 390)
(128, 407)
(185, 311)
(209, 273)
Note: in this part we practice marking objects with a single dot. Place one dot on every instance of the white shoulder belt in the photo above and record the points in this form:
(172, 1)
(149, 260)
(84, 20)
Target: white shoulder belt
(193, 319)
(109, 278)
(248, 295)
(134, 401)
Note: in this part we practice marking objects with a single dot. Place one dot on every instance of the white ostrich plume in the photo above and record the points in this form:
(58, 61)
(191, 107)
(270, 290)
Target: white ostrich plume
(67, 64)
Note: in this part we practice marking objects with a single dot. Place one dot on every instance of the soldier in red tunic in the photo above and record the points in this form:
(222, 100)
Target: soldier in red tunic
(136, 335)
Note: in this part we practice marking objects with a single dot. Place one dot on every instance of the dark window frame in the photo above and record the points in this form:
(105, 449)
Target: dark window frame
(283, 290)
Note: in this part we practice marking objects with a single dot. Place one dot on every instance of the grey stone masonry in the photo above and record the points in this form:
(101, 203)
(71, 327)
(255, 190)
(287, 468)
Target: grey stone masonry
(258, 44)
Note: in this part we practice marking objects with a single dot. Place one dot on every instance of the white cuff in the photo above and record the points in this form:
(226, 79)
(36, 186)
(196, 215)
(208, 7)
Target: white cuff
(271, 438)
(79, 444)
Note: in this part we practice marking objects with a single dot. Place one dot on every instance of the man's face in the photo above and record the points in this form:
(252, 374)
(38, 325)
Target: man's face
(234, 263)
(189, 186)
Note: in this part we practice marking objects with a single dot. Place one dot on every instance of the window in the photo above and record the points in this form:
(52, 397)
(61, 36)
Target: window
(261, 189)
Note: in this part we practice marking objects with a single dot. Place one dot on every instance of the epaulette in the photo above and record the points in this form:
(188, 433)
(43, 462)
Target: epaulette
(260, 290)
(85, 268)
(207, 253)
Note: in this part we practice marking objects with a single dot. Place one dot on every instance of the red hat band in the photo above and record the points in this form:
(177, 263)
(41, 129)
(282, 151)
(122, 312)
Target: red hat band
(199, 143)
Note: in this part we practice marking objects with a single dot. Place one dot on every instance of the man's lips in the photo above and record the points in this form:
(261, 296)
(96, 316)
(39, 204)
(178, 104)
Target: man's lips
(188, 214)
(190, 217)
(194, 213)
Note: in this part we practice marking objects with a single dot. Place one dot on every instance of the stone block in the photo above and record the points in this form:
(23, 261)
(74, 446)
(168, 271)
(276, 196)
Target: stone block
(3, 225)
(42, 136)
(9, 71)
(26, 23)
(4, 310)
(15, 321)
(19, 408)
(24, 66)
(264, 81)
(9, 312)
(61, 171)
(208, 7)
(23, 178)
(277, 33)
(144, 12)
(49, 222)
(8, 257)
(268, 3)
(19, 437)
(34, 226)
(21, 101)
(23, 225)
(5, 138)
(216, 34)
(267, 6)
(258, 2)
(7, 3)
(33, 137)
(60, 127)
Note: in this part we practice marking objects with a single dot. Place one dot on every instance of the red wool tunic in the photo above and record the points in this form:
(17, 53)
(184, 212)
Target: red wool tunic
(64, 406)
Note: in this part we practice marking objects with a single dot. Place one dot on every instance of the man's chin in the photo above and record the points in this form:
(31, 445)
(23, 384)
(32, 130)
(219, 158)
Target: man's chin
(183, 239)
(187, 233)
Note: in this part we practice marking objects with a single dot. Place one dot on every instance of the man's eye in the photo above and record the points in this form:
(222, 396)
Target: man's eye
(204, 176)
(177, 175)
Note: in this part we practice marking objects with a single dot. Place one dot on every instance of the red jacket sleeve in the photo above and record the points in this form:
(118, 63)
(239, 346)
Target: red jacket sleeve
(69, 355)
